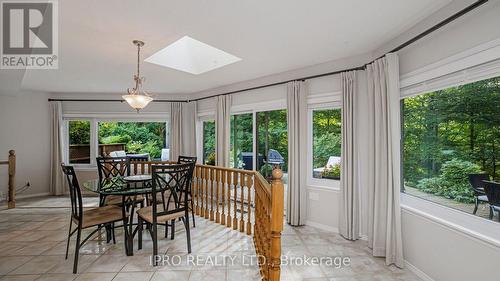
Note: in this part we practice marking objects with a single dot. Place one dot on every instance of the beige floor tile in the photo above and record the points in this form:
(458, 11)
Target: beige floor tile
(95, 276)
(133, 276)
(37, 265)
(66, 265)
(57, 277)
(208, 275)
(108, 264)
(19, 277)
(138, 263)
(178, 275)
(8, 264)
(243, 274)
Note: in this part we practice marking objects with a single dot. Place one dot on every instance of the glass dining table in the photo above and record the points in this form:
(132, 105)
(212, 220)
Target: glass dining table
(129, 188)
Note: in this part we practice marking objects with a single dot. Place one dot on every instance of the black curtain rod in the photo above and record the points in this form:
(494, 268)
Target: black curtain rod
(90, 100)
(403, 45)
(428, 31)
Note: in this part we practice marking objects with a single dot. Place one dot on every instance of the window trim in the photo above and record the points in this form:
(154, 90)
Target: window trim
(328, 184)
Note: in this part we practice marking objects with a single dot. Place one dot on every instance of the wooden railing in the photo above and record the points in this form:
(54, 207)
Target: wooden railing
(242, 200)
(11, 163)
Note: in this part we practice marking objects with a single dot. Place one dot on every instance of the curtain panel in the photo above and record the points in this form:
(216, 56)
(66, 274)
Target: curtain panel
(57, 183)
(383, 171)
(349, 220)
(222, 130)
(182, 129)
(297, 144)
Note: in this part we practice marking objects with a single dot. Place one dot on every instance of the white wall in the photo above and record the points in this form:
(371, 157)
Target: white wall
(25, 127)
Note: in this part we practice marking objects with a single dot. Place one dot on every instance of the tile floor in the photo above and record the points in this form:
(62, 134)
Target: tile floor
(32, 246)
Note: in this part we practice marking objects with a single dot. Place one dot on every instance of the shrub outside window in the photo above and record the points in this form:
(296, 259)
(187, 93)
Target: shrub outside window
(326, 143)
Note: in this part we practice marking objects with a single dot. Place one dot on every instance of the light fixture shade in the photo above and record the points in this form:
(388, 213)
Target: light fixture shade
(137, 101)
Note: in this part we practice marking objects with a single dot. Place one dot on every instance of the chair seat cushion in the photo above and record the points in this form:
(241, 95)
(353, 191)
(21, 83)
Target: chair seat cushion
(147, 214)
(101, 215)
(482, 198)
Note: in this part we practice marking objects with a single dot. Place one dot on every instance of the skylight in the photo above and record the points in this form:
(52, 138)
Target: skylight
(192, 56)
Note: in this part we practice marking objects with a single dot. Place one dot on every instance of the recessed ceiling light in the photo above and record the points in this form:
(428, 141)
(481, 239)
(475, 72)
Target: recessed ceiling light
(192, 56)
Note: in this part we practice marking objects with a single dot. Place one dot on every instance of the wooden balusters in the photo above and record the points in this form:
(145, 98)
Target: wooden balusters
(235, 217)
(207, 181)
(223, 196)
(242, 201)
(249, 205)
(229, 183)
(217, 186)
(212, 183)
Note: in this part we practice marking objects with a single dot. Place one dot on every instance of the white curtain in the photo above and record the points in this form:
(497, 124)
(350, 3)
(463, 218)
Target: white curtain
(297, 144)
(222, 130)
(349, 183)
(182, 129)
(57, 181)
(383, 169)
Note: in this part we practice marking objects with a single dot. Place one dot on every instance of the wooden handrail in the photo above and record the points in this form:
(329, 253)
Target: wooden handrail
(242, 200)
(12, 178)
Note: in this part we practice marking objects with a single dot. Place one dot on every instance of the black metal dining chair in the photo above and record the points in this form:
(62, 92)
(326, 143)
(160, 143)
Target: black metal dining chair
(175, 179)
(97, 217)
(492, 190)
(477, 186)
(183, 160)
(109, 167)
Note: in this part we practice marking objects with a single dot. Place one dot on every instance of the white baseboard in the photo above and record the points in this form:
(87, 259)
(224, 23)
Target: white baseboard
(322, 226)
(418, 272)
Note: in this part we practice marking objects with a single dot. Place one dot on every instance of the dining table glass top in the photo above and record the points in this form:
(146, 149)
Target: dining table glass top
(132, 185)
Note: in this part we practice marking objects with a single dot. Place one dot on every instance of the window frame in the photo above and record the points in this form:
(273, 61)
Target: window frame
(329, 184)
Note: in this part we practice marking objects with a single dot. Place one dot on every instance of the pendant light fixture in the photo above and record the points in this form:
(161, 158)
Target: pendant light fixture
(136, 97)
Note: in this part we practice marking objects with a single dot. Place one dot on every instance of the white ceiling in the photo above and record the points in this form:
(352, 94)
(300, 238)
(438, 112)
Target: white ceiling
(96, 54)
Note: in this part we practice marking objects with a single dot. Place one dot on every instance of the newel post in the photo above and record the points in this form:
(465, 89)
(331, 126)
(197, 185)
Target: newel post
(277, 200)
(12, 179)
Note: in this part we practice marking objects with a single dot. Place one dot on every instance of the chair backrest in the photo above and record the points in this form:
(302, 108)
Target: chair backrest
(74, 192)
(492, 190)
(109, 167)
(175, 180)
(186, 159)
(476, 182)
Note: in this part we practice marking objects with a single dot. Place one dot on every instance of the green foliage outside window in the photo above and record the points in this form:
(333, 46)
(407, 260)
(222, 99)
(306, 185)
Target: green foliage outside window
(79, 132)
(139, 137)
(209, 142)
(327, 135)
(450, 133)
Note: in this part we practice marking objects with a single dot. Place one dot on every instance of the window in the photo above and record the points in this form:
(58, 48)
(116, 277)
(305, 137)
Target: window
(272, 140)
(241, 151)
(147, 138)
(326, 143)
(209, 142)
(447, 135)
(79, 141)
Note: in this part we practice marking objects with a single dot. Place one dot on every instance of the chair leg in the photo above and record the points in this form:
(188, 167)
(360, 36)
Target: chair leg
(69, 236)
(113, 232)
(154, 235)
(77, 249)
(166, 229)
(491, 212)
(139, 235)
(172, 230)
(476, 203)
(188, 233)
(192, 213)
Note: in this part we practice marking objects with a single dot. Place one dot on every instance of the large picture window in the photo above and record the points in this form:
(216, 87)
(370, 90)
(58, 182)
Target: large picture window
(272, 142)
(326, 143)
(79, 141)
(145, 138)
(241, 151)
(448, 135)
(209, 142)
